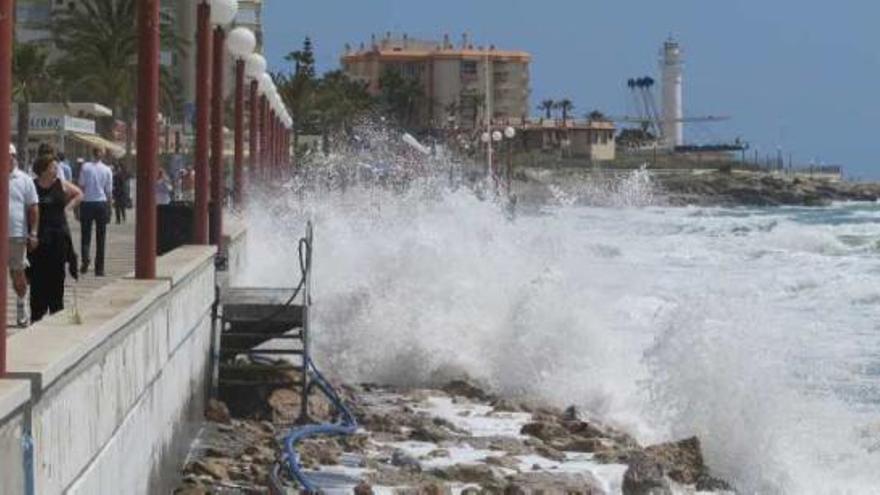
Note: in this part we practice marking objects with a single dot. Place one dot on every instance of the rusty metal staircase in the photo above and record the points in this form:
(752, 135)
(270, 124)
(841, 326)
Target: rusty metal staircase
(264, 335)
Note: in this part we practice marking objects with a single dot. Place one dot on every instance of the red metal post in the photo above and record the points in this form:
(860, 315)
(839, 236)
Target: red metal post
(218, 176)
(252, 123)
(271, 145)
(147, 138)
(264, 114)
(203, 114)
(238, 171)
(7, 11)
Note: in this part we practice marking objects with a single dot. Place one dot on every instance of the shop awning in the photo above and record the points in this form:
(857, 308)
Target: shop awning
(98, 141)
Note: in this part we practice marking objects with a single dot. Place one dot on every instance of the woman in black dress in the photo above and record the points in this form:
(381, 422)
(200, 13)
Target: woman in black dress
(54, 248)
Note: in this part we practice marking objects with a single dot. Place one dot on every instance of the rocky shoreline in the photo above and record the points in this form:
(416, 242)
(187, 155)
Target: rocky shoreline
(454, 439)
(691, 187)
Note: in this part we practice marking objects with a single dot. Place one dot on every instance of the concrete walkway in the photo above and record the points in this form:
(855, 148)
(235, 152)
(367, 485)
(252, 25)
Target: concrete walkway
(118, 262)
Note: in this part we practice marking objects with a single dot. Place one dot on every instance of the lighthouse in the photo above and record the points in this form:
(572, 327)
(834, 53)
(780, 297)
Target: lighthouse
(672, 121)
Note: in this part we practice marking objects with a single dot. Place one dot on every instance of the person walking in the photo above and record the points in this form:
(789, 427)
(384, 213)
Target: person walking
(24, 217)
(163, 188)
(66, 172)
(120, 193)
(96, 181)
(53, 251)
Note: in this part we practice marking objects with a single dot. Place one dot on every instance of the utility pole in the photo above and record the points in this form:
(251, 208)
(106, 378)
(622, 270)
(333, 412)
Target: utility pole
(147, 138)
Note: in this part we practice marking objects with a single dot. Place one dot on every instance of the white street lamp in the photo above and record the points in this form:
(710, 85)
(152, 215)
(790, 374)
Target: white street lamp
(223, 12)
(241, 43)
(496, 136)
(509, 132)
(484, 137)
(255, 66)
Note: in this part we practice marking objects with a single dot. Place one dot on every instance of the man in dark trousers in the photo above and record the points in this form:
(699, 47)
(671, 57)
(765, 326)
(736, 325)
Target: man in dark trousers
(96, 182)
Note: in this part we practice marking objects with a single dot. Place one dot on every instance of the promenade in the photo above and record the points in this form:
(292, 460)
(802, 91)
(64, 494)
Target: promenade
(119, 262)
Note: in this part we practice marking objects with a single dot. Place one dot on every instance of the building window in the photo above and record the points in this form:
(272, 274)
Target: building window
(468, 68)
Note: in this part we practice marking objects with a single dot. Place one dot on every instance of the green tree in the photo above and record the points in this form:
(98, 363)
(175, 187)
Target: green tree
(304, 60)
(547, 106)
(99, 61)
(565, 106)
(32, 79)
(597, 116)
(399, 96)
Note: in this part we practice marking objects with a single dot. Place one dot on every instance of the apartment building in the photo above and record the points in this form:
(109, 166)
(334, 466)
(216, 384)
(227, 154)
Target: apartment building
(453, 78)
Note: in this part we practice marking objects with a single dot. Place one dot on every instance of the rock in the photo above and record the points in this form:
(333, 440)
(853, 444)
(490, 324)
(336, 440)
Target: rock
(465, 388)
(191, 490)
(550, 453)
(211, 468)
(467, 473)
(363, 488)
(267, 427)
(645, 476)
(541, 482)
(438, 453)
(217, 412)
(470, 491)
(429, 432)
(584, 429)
(504, 405)
(682, 460)
(507, 462)
(543, 430)
(403, 460)
(581, 444)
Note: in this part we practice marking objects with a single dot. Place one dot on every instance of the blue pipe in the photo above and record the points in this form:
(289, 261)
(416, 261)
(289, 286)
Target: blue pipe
(347, 426)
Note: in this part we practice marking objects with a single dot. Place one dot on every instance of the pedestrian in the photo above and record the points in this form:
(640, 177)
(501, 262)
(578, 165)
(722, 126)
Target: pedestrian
(121, 198)
(162, 188)
(96, 181)
(76, 168)
(47, 261)
(188, 185)
(24, 218)
(66, 171)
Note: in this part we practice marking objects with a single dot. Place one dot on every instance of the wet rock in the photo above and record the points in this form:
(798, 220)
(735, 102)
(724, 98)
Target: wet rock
(403, 460)
(363, 488)
(550, 453)
(429, 432)
(470, 491)
(581, 444)
(645, 476)
(505, 405)
(468, 473)
(682, 460)
(192, 490)
(507, 462)
(217, 412)
(466, 388)
(210, 468)
(544, 430)
(438, 453)
(541, 482)
(315, 452)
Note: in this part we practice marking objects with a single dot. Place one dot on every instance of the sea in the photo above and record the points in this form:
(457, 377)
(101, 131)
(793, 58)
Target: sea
(755, 329)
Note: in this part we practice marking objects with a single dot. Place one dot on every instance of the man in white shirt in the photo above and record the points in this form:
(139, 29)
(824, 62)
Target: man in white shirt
(96, 182)
(24, 218)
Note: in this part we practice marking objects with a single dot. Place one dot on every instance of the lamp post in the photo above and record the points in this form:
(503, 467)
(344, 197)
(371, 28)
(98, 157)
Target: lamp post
(509, 134)
(203, 114)
(265, 85)
(241, 43)
(222, 13)
(254, 67)
(6, 19)
(147, 138)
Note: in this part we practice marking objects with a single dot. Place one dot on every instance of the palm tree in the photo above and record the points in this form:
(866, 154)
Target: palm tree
(565, 106)
(597, 116)
(32, 80)
(99, 44)
(547, 107)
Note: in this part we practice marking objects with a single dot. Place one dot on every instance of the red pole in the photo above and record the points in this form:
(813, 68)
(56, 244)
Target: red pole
(238, 171)
(147, 138)
(217, 176)
(271, 132)
(252, 123)
(7, 11)
(264, 115)
(203, 114)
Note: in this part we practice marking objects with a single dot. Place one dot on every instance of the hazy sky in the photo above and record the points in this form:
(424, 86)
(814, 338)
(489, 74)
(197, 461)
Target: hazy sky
(800, 75)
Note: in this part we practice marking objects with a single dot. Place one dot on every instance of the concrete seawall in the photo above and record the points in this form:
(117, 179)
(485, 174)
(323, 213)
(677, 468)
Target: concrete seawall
(111, 405)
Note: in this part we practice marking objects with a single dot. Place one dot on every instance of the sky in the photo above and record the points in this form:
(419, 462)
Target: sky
(800, 78)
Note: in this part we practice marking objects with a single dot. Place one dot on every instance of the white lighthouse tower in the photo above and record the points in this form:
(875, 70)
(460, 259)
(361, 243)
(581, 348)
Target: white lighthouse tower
(671, 67)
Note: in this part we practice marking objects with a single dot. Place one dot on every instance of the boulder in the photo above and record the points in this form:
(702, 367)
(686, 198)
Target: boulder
(363, 488)
(645, 476)
(217, 412)
(681, 460)
(466, 388)
(544, 430)
(543, 482)
(468, 473)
